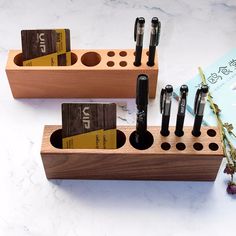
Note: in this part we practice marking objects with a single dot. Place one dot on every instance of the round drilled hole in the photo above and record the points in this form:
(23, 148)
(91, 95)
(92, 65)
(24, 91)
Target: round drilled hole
(211, 132)
(165, 133)
(147, 53)
(91, 59)
(123, 53)
(180, 146)
(165, 146)
(123, 63)
(179, 133)
(139, 142)
(196, 133)
(213, 146)
(198, 146)
(110, 63)
(111, 54)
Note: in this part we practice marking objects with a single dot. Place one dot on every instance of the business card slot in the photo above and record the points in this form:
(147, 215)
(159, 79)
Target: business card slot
(18, 61)
(56, 139)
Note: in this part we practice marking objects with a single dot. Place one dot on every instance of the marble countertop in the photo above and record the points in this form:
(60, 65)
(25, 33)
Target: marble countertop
(194, 33)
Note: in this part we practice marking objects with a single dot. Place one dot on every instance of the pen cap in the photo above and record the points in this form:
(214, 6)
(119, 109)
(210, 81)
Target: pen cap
(155, 32)
(200, 99)
(184, 89)
(204, 89)
(142, 90)
(166, 95)
(155, 22)
(138, 26)
(169, 89)
(182, 99)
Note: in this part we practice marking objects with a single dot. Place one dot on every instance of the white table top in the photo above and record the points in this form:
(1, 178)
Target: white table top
(193, 34)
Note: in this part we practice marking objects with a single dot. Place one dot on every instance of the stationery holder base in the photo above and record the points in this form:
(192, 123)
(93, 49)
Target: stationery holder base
(93, 74)
(164, 158)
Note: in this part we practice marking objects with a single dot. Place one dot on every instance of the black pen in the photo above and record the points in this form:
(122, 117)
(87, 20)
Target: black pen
(138, 37)
(199, 105)
(154, 40)
(181, 110)
(142, 103)
(165, 107)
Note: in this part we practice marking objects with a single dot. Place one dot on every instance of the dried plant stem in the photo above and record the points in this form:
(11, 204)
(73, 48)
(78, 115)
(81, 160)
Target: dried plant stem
(218, 119)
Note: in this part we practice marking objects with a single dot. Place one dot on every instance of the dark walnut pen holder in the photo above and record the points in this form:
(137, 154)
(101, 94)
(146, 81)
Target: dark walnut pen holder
(93, 74)
(165, 158)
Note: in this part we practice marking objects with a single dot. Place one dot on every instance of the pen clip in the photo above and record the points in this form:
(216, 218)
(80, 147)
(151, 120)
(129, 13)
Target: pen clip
(196, 100)
(162, 99)
(135, 28)
(158, 33)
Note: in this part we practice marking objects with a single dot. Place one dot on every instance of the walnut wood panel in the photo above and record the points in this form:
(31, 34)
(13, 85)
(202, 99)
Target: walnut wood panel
(113, 77)
(127, 162)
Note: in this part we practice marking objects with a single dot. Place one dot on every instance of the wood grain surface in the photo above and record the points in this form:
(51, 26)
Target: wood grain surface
(127, 162)
(113, 77)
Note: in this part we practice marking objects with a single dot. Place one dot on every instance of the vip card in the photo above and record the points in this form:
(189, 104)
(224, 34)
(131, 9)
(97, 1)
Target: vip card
(82, 125)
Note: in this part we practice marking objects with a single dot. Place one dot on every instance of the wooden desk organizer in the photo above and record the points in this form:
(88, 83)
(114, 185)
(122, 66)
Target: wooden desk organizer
(168, 158)
(93, 74)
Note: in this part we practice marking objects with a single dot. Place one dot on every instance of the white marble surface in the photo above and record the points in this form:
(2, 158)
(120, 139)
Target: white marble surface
(193, 33)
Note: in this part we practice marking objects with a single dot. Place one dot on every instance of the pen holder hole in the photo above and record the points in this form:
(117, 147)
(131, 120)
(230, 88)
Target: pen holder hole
(196, 133)
(18, 59)
(110, 63)
(111, 54)
(213, 146)
(211, 132)
(179, 133)
(123, 63)
(143, 143)
(91, 59)
(56, 139)
(123, 53)
(198, 146)
(165, 133)
(165, 146)
(180, 146)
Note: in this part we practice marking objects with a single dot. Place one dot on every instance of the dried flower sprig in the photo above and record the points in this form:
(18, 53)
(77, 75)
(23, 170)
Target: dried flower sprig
(226, 130)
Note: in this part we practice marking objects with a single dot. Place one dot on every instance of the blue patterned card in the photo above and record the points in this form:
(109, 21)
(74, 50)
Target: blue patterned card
(221, 78)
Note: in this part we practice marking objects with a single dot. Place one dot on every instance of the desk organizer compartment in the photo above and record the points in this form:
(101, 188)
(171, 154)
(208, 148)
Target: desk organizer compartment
(167, 158)
(93, 74)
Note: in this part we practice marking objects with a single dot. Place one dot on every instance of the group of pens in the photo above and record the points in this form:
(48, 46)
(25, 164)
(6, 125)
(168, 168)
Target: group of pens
(166, 93)
(154, 39)
(165, 108)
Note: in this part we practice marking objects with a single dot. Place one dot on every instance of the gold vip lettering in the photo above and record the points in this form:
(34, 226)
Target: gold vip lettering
(41, 40)
(86, 118)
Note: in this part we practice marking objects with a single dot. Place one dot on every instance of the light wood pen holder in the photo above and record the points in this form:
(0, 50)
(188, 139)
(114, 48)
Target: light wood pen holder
(165, 158)
(93, 74)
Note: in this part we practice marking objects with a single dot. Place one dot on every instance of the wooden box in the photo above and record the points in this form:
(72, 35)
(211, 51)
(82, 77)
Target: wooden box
(167, 158)
(93, 74)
